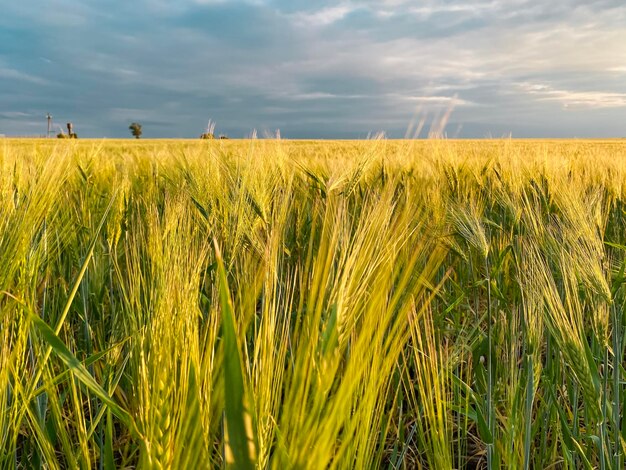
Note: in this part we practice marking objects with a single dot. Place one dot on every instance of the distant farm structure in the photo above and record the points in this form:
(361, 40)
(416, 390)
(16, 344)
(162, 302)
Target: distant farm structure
(49, 119)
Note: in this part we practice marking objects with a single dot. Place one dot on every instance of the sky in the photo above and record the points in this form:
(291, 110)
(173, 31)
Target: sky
(315, 69)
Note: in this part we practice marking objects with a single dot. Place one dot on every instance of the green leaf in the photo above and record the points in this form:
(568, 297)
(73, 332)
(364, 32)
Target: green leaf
(255, 206)
(239, 444)
(201, 209)
(568, 439)
(109, 460)
(79, 370)
(87, 362)
(70, 298)
(483, 428)
(615, 245)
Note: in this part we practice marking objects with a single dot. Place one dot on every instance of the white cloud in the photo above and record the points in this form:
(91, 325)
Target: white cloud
(430, 100)
(467, 8)
(14, 114)
(571, 98)
(316, 95)
(324, 16)
(10, 73)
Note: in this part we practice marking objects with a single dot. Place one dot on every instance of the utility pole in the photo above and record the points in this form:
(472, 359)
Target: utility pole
(49, 117)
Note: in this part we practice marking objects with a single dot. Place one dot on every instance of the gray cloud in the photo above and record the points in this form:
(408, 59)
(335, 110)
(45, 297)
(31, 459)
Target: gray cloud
(322, 69)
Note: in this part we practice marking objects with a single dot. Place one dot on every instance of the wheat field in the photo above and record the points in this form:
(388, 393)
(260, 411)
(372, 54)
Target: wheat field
(306, 304)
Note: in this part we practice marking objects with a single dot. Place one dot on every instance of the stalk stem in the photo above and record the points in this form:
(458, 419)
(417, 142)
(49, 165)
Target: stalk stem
(490, 414)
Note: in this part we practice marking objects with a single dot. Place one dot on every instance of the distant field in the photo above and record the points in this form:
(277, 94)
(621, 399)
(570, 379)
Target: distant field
(312, 304)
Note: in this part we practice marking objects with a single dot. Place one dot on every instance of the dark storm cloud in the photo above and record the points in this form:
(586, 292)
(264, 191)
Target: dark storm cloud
(315, 69)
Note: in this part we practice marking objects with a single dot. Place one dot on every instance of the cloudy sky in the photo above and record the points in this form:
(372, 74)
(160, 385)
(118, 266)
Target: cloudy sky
(315, 69)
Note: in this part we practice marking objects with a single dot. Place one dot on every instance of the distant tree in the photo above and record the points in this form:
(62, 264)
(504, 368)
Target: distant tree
(207, 135)
(62, 135)
(223, 136)
(135, 129)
